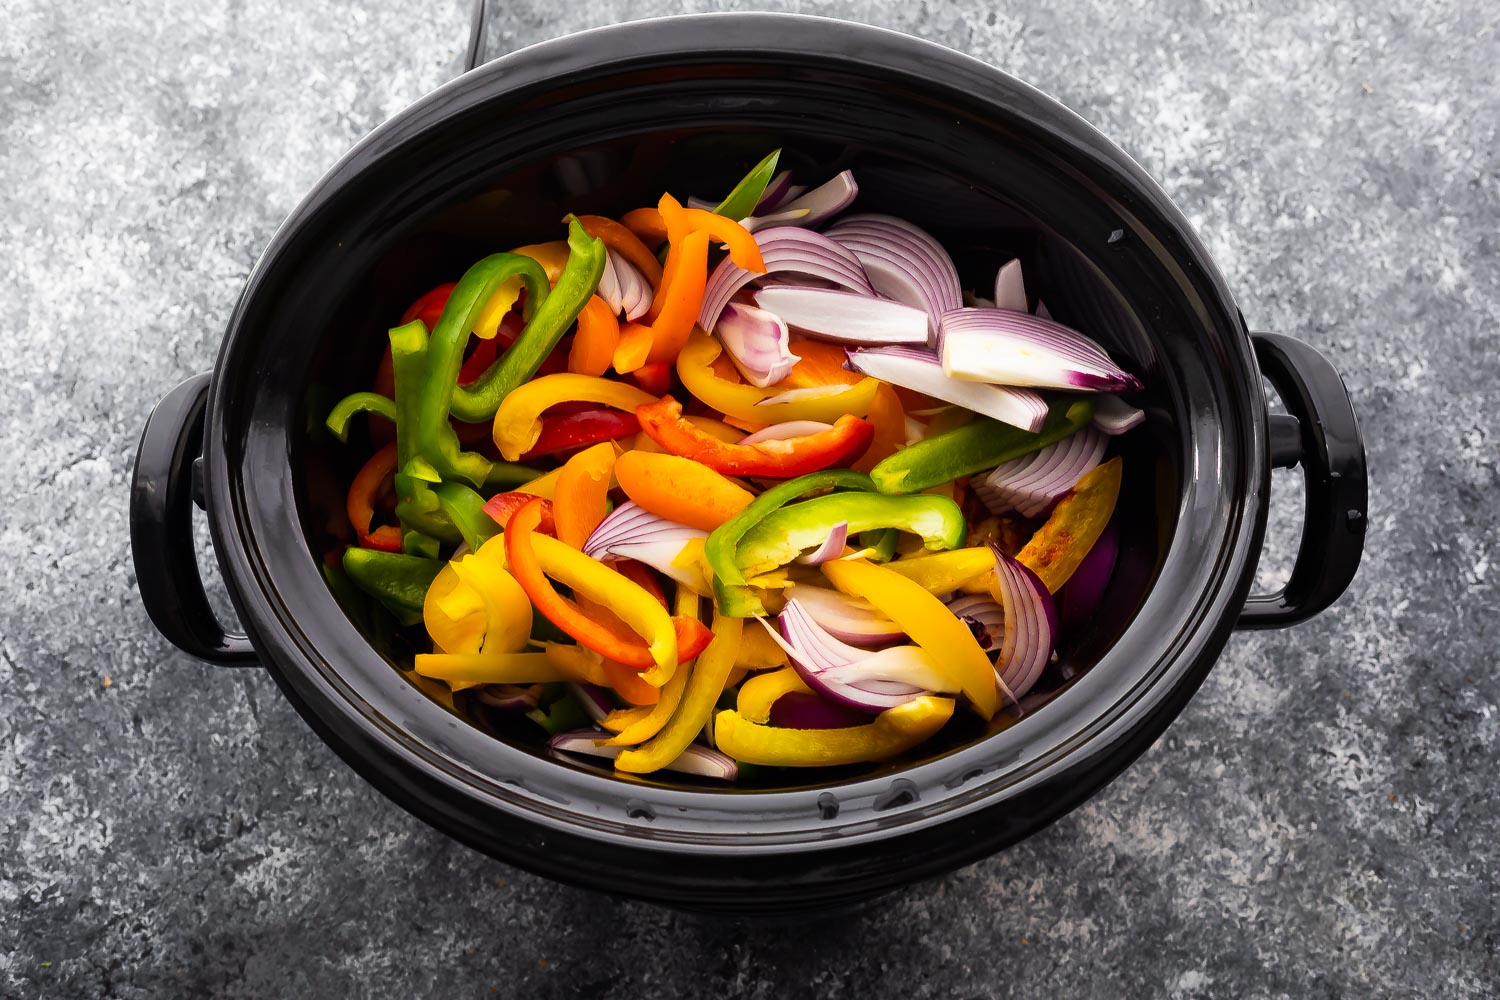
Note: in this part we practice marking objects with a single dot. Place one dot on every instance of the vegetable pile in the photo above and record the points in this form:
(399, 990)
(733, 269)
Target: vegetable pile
(746, 483)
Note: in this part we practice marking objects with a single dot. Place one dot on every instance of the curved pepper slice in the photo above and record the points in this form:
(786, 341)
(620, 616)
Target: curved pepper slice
(945, 572)
(397, 581)
(760, 692)
(680, 489)
(632, 726)
(619, 239)
(680, 222)
(358, 402)
(646, 223)
(894, 731)
(594, 345)
(839, 445)
(565, 431)
(508, 613)
(518, 423)
(370, 483)
(1075, 524)
(534, 556)
(582, 493)
(929, 623)
(454, 614)
(746, 402)
(675, 309)
(780, 537)
(465, 670)
(704, 685)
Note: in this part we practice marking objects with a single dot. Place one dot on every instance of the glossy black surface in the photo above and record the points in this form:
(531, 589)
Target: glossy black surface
(994, 157)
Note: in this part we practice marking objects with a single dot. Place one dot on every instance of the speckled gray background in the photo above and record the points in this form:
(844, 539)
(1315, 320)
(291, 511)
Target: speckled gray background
(1321, 822)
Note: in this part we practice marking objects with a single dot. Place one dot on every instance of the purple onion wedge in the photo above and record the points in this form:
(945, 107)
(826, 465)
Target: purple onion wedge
(920, 371)
(696, 759)
(1005, 347)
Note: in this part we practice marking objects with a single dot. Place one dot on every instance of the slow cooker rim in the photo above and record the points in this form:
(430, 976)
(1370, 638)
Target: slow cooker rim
(250, 578)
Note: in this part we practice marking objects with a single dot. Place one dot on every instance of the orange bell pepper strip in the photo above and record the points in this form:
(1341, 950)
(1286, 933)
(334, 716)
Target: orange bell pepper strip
(760, 692)
(534, 556)
(655, 378)
(1075, 524)
(674, 311)
(518, 423)
(746, 402)
(743, 249)
(598, 334)
(680, 489)
(893, 731)
(582, 493)
(619, 239)
(373, 480)
(845, 441)
(632, 348)
(889, 420)
(821, 363)
(929, 623)
(647, 225)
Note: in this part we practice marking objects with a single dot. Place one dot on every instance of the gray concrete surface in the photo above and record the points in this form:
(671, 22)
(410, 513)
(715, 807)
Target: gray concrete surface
(1321, 822)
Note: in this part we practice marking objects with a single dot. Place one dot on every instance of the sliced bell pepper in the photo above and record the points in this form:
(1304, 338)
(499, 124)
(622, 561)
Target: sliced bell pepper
(552, 256)
(888, 417)
(579, 663)
(837, 446)
(627, 682)
(681, 222)
(654, 677)
(518, 424)
(358, 402)
(704, 685)
(620, 240)
(416, 506)
(730, 585)
(975, 446)
(463, 670)
(758, 651)
(647, 225)
(674, 312)
(655, 378)
(549, 319)
(744, 402)
(783, 535)
(594, 344)
(632, 348)
(508, 613)
(397, 581)
(760, 692)
(819, 363)
(741, 201)
(466, 509)
(565, 431)
(1075, 524)
(680, 489)
(428, 308)
(534, 556)
(945, 572)
(544, 486)
(928, 621)
(372, 482)
(501, 506)
(639, 725)
(893, 731)
(454, 614)
(582, 493)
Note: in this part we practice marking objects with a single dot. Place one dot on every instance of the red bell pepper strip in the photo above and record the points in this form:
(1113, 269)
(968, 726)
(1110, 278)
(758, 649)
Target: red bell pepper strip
(502, 505)
(373, 480)
(429, 308)
(655, 378)
(691, 635)
(564, 431)
(845, 441)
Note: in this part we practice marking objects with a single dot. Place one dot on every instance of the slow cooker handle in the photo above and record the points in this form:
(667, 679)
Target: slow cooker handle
(161, 529)
(1331, 452)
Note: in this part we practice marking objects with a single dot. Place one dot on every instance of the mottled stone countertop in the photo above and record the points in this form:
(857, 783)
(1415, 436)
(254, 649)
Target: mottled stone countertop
(1320, 822)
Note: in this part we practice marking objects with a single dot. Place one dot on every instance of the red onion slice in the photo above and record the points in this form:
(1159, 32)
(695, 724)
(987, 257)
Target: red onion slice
(1084, 591)
(985, 619)
(758, 343)
(911, 665)
(594, 699)
(904, 262)
(848, 619)
(609, 284)
(826, 200)
(845, 317)
(787, 217)
(1032, 483)
(1012, 348)
(1010, 287)
(799, 710)
(921, 372)
(636, 292)
(832, 547)
(1113, 415)
(785, 430)
(1030, 626)
(509, 697)
(812, 651)
(784, 248)
(778, 191)
(696, 759)
(632, 532)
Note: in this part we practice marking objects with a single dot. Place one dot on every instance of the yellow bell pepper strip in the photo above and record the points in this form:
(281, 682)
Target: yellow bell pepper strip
(622, 719)
(945, 572)
(533, 557)
(582, 500)
(1075, 524)
(463, 670)
(680, 489)
(704, 685)
(731, 588)
(760, 692)
(518, 422)
(552, 256)
(544, 486)
(436, 440)
(893, 731)
(782, 536)
(622, 241)
(975, 446)
(549, 320)
(593, 349)
(578, 663)
(738, 400)
(501, 302)
(454, 614)
(507, 611)
(642, 725)
(758, 651)
(928, 621)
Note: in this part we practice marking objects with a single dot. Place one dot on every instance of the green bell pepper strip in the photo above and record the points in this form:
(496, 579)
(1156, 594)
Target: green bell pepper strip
(734, 597)
(416, 505)
(399, 582)
(882, 542)
(975, 446)
(414, 543)
(478, 401)
(465, 509)
(435, 438)
(782, 536)
(358, 402)
(741, 202)
(562, 715)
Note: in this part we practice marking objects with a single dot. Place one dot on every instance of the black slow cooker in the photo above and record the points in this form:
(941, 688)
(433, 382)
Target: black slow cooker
(604, 120)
